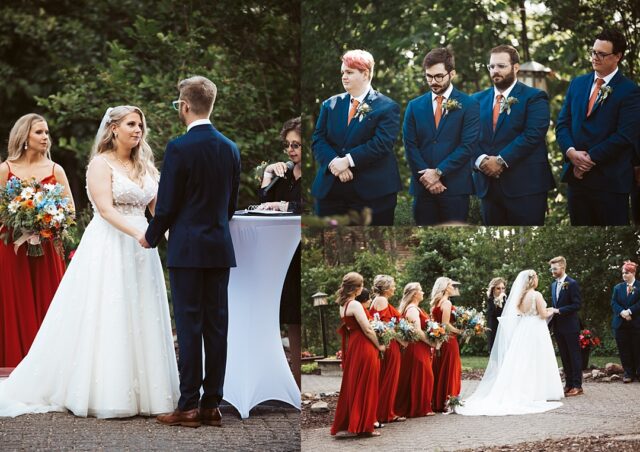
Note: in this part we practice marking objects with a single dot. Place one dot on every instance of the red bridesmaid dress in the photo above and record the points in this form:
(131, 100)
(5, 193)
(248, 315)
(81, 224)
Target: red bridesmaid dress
(415, 386)
(356, 411)
(447, 368)
(389, 370)
(27, 286)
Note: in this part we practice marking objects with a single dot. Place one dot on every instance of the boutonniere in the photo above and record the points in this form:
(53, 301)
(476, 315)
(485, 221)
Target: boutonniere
(451, 105)
(505, 104)
(604, 93)
(362, 110)
(565, 285)
(633, 289)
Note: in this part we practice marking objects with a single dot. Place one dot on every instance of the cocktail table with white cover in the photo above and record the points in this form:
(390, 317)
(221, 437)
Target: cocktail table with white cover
(257, 368)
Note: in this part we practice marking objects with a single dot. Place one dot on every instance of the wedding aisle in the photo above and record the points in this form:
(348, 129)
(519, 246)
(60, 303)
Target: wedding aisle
(604, 409)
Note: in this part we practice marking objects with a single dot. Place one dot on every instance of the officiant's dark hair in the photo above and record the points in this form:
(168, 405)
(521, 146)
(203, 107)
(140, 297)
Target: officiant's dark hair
(514, 56)
(199, 92)
(437, 56)
(294, 124)
(616, 38)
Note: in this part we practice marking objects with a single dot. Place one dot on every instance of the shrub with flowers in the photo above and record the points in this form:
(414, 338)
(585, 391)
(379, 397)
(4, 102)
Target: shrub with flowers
(588, 339)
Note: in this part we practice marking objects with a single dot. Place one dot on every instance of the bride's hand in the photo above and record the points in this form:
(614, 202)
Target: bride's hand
(142, 240)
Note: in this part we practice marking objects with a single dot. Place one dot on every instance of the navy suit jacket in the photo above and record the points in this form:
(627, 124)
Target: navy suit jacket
(609, 134)
(369, 140)
(519, 139)
(197, 197)
(449, 148)
(568, 302)
(621, 301)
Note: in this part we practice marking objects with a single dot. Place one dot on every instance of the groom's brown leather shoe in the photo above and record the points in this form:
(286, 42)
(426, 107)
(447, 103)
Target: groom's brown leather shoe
(566, 389)
(211, 416)
(574, 392)
(189, 418)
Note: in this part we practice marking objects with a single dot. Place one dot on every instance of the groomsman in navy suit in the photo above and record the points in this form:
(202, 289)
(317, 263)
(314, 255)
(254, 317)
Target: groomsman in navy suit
(353, 144)
(565, 295)
(440, 131)
(597, 130)
(197, 197)
(512, 175)
(625, 302)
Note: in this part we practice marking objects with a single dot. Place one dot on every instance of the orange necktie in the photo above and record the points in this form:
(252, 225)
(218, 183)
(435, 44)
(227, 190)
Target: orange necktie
(594, 95)
(352, 110)
(438, 113)
(496, 110)
(628, 290)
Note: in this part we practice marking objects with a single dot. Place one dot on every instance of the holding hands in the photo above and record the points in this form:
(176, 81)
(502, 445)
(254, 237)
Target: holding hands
(339, 167)
(431, 181)
(581, 161)
(626, 314)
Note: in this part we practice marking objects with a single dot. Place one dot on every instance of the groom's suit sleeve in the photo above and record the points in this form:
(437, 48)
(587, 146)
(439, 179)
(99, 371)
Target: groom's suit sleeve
(170, 195)
(575, 300)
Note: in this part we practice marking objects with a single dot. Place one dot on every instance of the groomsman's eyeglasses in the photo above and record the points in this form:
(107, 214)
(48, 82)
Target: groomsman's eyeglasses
(500, 66)
(599, 55)
(176, 104)
(438, 77)
(294, 145)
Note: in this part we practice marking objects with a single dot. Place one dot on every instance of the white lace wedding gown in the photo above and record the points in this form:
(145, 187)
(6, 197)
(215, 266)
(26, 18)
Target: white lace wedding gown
(105, 347)
(522, 376)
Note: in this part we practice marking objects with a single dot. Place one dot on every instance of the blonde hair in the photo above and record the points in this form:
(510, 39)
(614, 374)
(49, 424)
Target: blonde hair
(199, 92)
(559, 260)
(381, 284)
(438, 290)
(19, 136)
(493, 284)
(531, 275)
(141, 155)
(351, 282)
(408, 294)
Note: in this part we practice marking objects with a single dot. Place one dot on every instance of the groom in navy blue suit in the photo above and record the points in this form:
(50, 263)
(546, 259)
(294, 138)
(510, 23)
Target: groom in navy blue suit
(597, 130)
(440, 132)
(565, 295)
(512, 175)
(197, 197)
(353, 145)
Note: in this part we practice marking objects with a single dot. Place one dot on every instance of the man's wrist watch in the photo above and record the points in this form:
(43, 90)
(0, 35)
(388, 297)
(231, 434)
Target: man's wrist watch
(439, 172)
(501, 161)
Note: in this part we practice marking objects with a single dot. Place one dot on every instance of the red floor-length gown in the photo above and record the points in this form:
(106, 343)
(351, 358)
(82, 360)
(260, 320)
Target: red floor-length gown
(389, 370)
(356, 411)
(447, 369)
(415, 386)
(27, 286)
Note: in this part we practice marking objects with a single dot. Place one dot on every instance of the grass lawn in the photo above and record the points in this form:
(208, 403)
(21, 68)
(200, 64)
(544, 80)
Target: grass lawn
(480, 362)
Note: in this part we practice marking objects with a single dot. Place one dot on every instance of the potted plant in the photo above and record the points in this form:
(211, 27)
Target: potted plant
(588, 340)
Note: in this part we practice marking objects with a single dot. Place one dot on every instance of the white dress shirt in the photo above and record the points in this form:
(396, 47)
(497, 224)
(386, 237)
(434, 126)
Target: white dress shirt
(445, 96)
(559, 283)
(198, 122)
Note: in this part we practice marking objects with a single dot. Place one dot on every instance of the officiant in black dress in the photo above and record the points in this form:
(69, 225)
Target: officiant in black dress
(496, 296)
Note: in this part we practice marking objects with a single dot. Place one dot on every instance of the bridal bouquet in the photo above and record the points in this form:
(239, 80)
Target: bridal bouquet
(386, 331)
(469, 321)
(436, 334)
(31, 212)
(406, 332)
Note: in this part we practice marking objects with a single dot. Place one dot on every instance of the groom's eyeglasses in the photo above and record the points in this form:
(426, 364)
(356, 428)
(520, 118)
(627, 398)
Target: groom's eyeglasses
(438, 77)
(176, 104)
(294, 145)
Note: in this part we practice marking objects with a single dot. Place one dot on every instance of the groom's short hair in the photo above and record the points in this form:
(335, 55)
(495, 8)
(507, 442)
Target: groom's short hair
(439, 55)
(559, 260)
(200, 94)
(514, 56)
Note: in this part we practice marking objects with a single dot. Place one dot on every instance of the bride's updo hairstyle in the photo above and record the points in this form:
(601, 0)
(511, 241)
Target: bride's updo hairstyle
(382, 284)
(531, 276)
(141, 155)
(408, 294)
(351, 282)
(439, 290)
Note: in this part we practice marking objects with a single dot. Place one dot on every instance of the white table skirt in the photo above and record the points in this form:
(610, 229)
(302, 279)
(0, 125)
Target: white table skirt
(257, 368)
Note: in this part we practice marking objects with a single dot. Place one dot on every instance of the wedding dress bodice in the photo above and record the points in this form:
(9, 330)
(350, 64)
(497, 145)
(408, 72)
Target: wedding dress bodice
(128, 197)
(533, 309)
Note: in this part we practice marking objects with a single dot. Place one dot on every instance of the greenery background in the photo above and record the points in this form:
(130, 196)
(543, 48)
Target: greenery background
(556, 33)
(470, 255)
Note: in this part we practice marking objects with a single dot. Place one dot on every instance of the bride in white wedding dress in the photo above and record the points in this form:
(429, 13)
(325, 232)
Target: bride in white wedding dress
(522, 375)
(105, 348)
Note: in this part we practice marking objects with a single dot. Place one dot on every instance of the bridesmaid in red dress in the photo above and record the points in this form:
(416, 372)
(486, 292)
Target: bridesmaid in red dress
(447, 368)
(27, 283)
(415, 385)
(383, 288)
(358, 400)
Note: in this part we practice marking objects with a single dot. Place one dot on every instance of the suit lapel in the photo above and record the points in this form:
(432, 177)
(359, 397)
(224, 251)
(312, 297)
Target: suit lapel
(486, 113)
(515, 92)
(614, 81)
(585, 93)
(443, 119)
(355, 122)
(553, 293)
(431, 120)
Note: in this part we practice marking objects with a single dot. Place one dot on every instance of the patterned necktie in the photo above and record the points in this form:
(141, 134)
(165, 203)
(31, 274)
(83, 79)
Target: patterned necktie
(594, 95)
(352, 110)
(496, 110)
(438, 113)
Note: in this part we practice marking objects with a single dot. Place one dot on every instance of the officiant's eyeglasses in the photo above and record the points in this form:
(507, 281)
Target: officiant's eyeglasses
(438, 77)
(176, 104)
(599, 55)
(294, 145)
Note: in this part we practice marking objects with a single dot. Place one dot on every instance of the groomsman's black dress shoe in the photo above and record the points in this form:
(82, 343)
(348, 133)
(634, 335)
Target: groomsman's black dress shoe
(211, 416)
(189, 418)
(626, 379)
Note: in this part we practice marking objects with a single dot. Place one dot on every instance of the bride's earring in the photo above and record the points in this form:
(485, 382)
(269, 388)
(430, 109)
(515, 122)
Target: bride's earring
(26, 146)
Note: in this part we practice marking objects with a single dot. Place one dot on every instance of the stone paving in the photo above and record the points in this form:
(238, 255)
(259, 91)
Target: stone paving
(605, 408)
